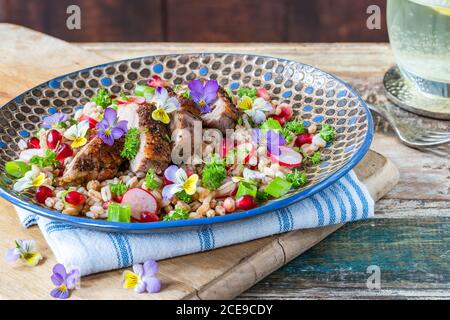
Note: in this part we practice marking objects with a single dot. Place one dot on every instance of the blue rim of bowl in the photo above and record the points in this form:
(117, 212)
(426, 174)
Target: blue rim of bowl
(272, 205)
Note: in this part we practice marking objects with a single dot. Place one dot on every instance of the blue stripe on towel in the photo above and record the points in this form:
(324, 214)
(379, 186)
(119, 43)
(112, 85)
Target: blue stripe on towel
(331, 212)
(360, 194)
(206, 237)
(350, 199)
(334, 191)
(118, 256)
(285, 220)
(320, 216)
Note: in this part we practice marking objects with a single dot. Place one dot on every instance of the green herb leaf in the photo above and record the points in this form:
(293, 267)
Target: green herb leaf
(48, 160)
(150, 181)
(278, 187)
(327, 132)
(315, 158)
(214, 173)
(131, 145)
(102, 98)
(177, 214)
(262, 196)
(295, 126)
(297, 178)
(249, 92)
(183, 196)
(271, 124)
(287, 135)
(186, 94)
(17, 169)
(118, 189)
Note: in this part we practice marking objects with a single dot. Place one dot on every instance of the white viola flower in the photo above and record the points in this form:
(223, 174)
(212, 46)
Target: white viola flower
(77, 134)
(31, 179)
(26, 251)
(249, 175)
(258, 110)
(164, 105)
(180, 182)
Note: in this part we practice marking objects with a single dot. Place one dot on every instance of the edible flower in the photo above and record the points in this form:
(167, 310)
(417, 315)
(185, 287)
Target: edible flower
(271, 138)
(25, 250)
(143, 277)
(204, 95)
(54, 120)
(255, 109)
(249, 175)
(164, 105)
(109, 129)
(77, 134)
(180, 180)
(64, 280)
(155, 82)
(32, 179)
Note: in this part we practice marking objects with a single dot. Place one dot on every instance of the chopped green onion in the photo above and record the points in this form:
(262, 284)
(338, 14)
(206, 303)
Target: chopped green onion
(118, 189)
(118, 212)
(17, 169)
(144, 91)
(245, 188)
(278, 187)
(150, 181)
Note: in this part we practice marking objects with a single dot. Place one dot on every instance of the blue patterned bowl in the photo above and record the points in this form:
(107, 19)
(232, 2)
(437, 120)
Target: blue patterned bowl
(314, 94)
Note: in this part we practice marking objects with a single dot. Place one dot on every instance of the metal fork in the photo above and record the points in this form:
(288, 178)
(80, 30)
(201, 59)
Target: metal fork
(412, 136)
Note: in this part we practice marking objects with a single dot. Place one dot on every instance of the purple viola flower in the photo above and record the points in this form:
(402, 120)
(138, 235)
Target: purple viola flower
(271, 138)
(65, 281)
(143, 277)
(204, 95)
(54, 119)
(109, 129)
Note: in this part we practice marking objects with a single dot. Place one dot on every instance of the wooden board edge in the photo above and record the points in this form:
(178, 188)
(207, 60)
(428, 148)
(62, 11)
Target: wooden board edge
(286, 247)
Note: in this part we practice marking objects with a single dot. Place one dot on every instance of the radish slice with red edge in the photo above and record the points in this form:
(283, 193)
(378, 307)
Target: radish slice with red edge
(140, 201)
(287, 157)
(244, 151)
(131, 99)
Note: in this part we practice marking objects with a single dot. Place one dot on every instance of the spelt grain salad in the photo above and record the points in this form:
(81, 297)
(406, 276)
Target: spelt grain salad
(165, 153)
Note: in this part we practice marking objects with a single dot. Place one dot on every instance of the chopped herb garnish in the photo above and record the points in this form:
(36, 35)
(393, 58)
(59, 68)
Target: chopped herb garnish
(315, 158)
(214, 173)
(131, 145)
(186, 94)
(287, 135)
(183, 196)
(118, 189)
(297, 178)
(102, 98)
(271, 124)
(150, 181)
(246, 92)
(229, 93)
(327, 132)
(295, 126)
(177, 214)
(262, 196)
(48, 160)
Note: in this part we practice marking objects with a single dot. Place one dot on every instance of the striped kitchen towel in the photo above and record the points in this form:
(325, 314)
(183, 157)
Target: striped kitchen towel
(94, 251)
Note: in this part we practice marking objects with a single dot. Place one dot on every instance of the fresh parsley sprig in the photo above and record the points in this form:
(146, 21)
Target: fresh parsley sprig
(131, 145)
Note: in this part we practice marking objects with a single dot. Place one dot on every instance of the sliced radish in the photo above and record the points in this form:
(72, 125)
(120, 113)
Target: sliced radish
(26, 155)
(227, 189)
(303, 138)
(244, 152)
(287, 157)
(140, 201)
(92, 122)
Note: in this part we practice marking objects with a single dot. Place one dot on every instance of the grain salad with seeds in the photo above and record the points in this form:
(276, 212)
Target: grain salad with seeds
(134, 157)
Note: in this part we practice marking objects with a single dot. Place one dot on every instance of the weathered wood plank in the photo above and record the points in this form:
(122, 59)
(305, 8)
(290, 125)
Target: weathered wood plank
(412, 255)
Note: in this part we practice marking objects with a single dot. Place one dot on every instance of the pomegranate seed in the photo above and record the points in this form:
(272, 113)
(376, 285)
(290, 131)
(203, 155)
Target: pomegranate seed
(42, 193)
(64, 151)
(92, 122)
(155, 82)
(53, 138)
(75, 198)
(284, 111)
(281, 120)
(34, 143)
(303, 138)
(147, 216)
(246, 202)
(119, 198)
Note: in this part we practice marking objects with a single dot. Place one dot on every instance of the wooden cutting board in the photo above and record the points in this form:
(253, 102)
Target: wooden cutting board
(28, 58)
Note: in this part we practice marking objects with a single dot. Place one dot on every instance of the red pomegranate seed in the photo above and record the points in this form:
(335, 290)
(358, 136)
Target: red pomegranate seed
(75, 198)
(147, 216)
(303, 138)
(92, 122)
(246, 202)
(285, 111)
(53, 138)
(64, 151)
(34, 143)
(42, 193)
(119, 198)
(155, 82)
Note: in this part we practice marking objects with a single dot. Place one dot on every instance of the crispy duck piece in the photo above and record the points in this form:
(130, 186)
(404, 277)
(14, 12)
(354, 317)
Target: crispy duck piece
(154, 149)
(224, 114)
(95, 161)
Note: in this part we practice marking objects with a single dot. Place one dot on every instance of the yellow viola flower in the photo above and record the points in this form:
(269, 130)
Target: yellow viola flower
(180, 182)
(164, 105)
(25, 250)
(190, 185)
(245, 103)
(130, 279)
(77, 134)
(160, 114)
(32, 179)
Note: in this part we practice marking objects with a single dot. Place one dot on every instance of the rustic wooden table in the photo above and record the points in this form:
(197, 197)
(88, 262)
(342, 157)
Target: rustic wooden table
(408, 239)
